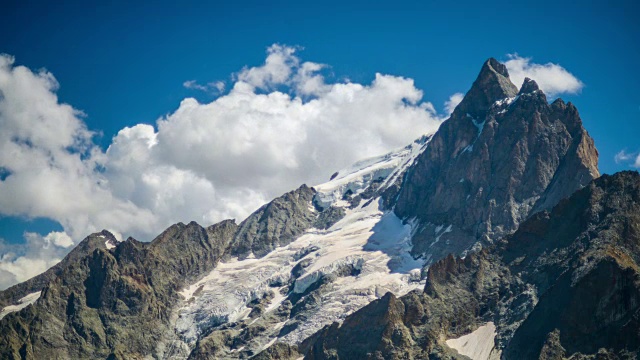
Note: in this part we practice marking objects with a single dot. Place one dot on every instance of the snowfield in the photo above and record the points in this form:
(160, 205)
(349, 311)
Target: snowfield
(22, 303)
(479, 345)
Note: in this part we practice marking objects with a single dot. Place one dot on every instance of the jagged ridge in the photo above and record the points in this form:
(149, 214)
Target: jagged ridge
(566, 283)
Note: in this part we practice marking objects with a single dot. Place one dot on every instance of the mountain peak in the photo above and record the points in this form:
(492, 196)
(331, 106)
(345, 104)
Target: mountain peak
(491, 85)
(494, 65)
(528, 86)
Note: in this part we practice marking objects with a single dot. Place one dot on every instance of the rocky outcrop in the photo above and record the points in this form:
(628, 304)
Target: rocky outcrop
(275, 224)
(582, 259)
(279, 351)
(114, 303)
(87, 246)
(565, 284)
(499, 158)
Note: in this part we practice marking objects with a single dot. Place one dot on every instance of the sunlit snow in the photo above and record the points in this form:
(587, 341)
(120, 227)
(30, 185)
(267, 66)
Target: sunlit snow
(374, 242)
(22, 303)
(478, 345)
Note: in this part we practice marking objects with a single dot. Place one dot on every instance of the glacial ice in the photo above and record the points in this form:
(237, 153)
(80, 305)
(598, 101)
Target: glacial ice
(374, 242)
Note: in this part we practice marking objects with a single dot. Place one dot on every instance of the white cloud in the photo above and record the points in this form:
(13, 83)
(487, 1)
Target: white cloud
(58, 238)
(215, 87)
(453, 101)
(276, 70)
(22, 262)
(630, 159)
(50, 159)
(553, 79)
(203, 162)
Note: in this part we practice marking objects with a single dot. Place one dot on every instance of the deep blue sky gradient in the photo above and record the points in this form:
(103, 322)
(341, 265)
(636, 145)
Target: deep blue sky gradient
(124, 64)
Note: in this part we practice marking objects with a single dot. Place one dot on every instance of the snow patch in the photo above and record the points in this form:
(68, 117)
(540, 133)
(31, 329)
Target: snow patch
(505, 101)
(438, 229)
(479, 345)
(356, 178)
(22, 303)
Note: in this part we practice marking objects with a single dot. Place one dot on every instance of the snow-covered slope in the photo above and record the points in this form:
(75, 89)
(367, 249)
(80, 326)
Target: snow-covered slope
(358, 259)
(478, 345)
(22, 303)
(356, 178)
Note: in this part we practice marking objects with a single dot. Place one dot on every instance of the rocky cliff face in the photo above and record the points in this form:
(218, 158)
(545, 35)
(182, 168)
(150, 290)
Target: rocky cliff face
(100, 240)
(501, 156)
(113, 303)
(566, 284)
(275, 224)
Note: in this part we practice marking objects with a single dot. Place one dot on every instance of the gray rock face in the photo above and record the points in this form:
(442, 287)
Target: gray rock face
(566, 284)
(499, 158)
(37, 283)
(275, 224)
(113, 303)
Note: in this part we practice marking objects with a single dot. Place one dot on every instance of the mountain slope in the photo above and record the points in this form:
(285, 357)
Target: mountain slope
(566, 283)
(501, 156)
(113, 302)
(332, 269)
(101, 240)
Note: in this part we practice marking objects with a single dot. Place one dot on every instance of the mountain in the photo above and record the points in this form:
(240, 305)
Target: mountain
(501, 156)
(114, 302)
(455, 245)
(565, 284)
(101, 240)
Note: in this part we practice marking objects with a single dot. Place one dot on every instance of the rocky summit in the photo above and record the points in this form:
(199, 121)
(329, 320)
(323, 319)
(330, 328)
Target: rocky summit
(493, 238)
(502, 156)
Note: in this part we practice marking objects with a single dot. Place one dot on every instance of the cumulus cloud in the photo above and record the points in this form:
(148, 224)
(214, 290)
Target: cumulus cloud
(280, 125)
(50, 160)
(552, 78)
(22, 262)
(630, 159)
(453, 101)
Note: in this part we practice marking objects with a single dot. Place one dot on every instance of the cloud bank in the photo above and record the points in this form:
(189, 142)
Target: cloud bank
(280, 125)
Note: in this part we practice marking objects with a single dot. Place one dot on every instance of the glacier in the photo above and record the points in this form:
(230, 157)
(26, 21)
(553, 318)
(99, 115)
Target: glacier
(366, 254)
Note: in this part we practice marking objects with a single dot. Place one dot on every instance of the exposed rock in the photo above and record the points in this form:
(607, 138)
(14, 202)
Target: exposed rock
(497, 160)
(566, 283)
(279, 351)
(528, 86)
(552, 349)
(114, 303)
(37, 283)
(275, 224)
(329, 217)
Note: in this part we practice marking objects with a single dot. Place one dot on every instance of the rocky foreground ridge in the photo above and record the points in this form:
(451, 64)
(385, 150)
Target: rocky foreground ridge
(368, 265)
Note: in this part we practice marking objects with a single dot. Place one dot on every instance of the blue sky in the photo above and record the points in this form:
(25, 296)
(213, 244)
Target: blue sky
(124, 65)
